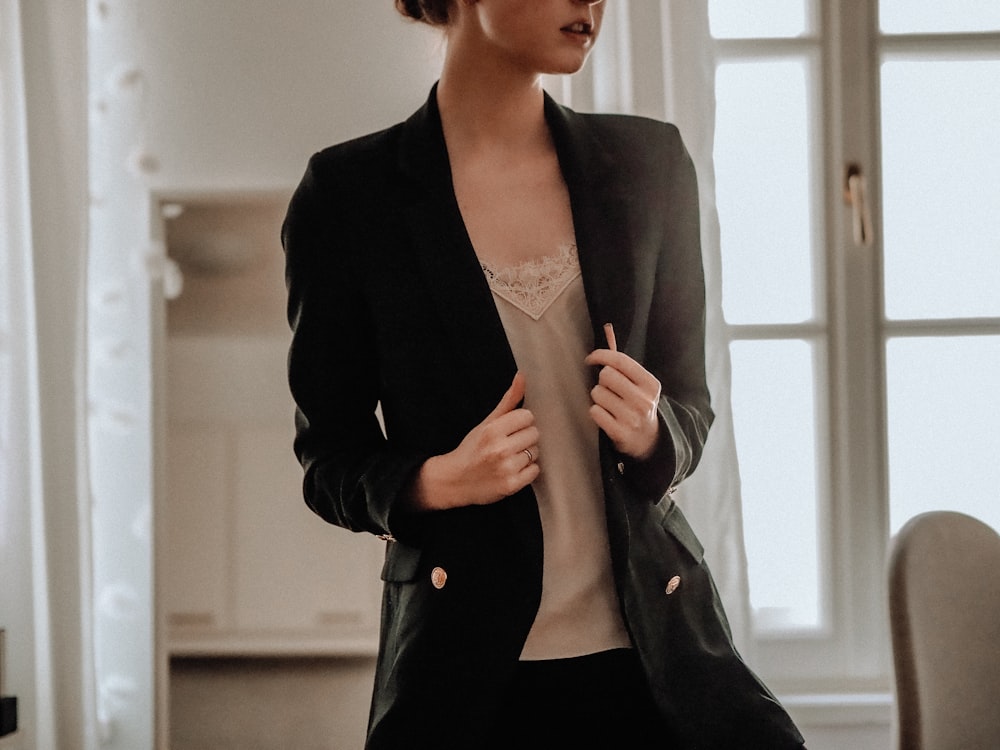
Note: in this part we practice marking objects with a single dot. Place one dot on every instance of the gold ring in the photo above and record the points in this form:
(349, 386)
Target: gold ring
(531, 457)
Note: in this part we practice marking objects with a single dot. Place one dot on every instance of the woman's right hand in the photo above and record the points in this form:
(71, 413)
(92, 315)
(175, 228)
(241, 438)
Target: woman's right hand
(496, 459)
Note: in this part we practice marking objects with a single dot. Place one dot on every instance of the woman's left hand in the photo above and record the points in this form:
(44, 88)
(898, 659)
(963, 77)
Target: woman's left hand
(625, 401)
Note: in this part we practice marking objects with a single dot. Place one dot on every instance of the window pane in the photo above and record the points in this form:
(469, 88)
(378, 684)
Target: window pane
(763, 175)
(774, 408)
(941, 188)
(761, 18)
(944, 444)
(934, 16)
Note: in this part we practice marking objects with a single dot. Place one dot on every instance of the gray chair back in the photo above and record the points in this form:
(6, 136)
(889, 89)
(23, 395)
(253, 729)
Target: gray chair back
(944, 613)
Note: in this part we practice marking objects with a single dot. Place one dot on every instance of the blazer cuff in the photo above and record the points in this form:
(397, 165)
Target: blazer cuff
(389, 500)
(658, 474)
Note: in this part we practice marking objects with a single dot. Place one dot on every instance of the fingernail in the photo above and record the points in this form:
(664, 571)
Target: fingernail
(609, 334)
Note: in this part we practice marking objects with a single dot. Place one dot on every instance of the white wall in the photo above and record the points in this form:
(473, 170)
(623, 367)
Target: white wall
(236, 95)
(241, 92)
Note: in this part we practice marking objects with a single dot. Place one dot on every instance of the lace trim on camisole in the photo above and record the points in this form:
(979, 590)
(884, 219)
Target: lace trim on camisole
(533, 285)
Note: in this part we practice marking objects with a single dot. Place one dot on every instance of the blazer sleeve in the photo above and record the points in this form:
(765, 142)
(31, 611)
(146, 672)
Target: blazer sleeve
(353, 476)
(675, 345)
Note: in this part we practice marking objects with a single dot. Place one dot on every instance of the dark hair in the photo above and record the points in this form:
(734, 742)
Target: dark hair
(433, 12)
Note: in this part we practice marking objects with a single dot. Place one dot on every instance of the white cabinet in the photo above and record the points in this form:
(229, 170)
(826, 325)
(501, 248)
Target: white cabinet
(196, 579)
(248, 568)
(312, 577)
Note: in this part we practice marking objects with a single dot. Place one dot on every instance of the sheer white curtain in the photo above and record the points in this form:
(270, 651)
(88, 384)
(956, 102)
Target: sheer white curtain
(76, 468)
(23, 614)
(124, 267)
(655, 59)
(43, 528)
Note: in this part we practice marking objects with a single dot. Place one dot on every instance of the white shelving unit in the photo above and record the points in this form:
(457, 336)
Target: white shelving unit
(246, 568)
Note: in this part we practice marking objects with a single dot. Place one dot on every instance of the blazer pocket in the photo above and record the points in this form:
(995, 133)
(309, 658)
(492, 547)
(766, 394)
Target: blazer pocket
(402, 563)
(676, 524)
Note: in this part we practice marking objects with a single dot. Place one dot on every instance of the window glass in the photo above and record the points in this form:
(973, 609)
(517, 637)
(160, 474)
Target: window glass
(941, 188)
(774, 413)
(934, 16)
(760, 18)
(763, 190)
(943, 412)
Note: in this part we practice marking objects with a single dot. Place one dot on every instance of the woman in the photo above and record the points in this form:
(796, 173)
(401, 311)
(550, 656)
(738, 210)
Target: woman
(520, 288)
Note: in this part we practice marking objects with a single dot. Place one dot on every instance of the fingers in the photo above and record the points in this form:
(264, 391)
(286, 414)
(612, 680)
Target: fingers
(509, 438)
(514, 461)
(511, 398)
(515, 441)
(497, 458)
(637, 439)
(631, 403)
(611, 357)
(622, 363)
(609, 334)
(631, 386)
(606, 422)
(521, 446)
(625, 399)
(510, 424)
(509, 420)
(632, 413)
(526, 476)
(632, 428)
(526, 447)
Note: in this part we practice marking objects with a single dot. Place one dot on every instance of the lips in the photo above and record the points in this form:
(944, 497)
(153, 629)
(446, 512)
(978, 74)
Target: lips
(579, 27)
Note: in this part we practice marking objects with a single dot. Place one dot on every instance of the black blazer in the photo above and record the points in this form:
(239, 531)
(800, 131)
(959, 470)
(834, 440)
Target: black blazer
(388, 305)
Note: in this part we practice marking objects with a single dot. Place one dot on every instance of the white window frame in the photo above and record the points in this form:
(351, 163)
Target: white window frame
(851, 654)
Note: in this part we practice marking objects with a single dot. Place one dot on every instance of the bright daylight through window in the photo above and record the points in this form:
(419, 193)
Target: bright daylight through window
(864, 375)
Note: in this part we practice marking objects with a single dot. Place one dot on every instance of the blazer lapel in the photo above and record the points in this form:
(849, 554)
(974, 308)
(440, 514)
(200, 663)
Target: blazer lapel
(600, 204)
(471, 330)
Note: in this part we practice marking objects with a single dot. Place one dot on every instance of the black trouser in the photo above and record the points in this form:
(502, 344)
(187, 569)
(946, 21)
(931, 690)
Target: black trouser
(595, 701)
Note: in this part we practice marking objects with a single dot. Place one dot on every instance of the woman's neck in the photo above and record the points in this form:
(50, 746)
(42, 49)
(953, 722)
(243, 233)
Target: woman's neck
(483, 108)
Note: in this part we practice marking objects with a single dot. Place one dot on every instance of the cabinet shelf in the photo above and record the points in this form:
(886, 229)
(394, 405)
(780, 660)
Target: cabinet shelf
(249, 645)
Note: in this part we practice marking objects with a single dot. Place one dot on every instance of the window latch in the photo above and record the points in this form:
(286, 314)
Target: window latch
(856, 196)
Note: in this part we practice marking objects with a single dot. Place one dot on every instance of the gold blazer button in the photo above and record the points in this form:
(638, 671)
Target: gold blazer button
(439, 577)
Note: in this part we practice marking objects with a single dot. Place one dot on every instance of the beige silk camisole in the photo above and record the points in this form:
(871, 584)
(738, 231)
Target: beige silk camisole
(544, 313)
